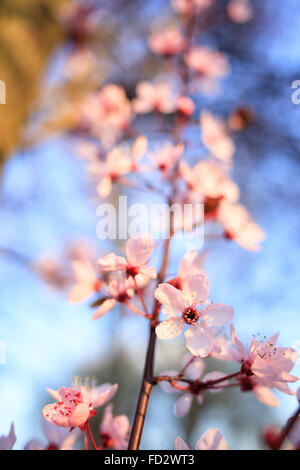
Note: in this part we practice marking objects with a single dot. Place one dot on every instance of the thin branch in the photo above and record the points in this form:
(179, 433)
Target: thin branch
(148, 379)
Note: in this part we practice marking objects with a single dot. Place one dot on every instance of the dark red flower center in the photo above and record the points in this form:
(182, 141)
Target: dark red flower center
(190, 315)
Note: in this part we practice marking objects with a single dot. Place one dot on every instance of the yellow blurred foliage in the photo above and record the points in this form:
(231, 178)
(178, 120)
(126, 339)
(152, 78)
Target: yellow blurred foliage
(29, 30)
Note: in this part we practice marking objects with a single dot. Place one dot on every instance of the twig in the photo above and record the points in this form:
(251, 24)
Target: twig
(148, 379)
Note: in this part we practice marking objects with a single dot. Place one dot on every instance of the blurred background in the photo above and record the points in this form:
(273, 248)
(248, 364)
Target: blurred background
(48, 208)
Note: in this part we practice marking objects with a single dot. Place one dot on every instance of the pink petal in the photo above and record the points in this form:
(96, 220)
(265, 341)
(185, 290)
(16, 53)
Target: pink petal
(212, 440)
(149, 272)
(112, 262)
(104, 187)
(196, 368)
(239, 346)
(264, 395)
(171, 298)
(196, 289)
(7, 442)
(198, 341)
(121, 426)
(103, 394)
(183, 405)
(84, 271)
(107, 419)
(169, 328)
(139, 147)
(51, 415)
(180, 444)
(79, 416)
(217, 314)
(105, 307)
(191, 264)
(138, 250)
(80, 292)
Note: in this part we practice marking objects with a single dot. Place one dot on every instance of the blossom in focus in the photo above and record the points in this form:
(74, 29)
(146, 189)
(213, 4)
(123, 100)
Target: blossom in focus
(87, 282)
(190, 7)
(265, 366)
(240, 227)
(211, 440)
(75, 406)
(207, 62)
(154, 97)
(216, 138)
(167, 156)
(114, 430)
(191, 307)
(167, 43)
(56, 438)
(239, 11)
(8, 442)
(138, 252)
(194, 368)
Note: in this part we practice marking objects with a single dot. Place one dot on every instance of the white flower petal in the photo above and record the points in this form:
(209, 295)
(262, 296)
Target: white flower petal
(217, 314)
(169, 328)
(198, 341)
(171, 297)
(105, 307)
(180, 444)
(183, 405)
(212, 440)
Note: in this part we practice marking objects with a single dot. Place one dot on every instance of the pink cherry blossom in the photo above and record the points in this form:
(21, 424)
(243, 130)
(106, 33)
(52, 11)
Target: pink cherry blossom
(186, 105)
(190, 306)
(114, 430)
(194, 368)
(87, 282)
(216, 138)
(168, 42)
(240, 227)
(207, 62)
(118, 290)
(190, 7)
(116, 165)
(240, 11)
(210, 182)
(154, 97)
(138, 252)
(211, 440)
(190, 265)
(265, 366)
(56, 438)
(8, 442)
(166, 157)
(77, 405)
(106, 113)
